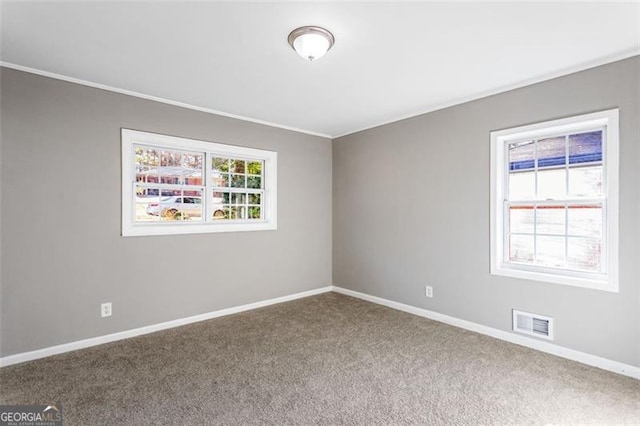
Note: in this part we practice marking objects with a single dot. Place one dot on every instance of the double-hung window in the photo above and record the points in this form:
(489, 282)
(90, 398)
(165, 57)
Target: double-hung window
(174, 185)
(554, 201)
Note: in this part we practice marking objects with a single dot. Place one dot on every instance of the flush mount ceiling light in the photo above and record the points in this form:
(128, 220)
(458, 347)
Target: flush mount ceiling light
(311, 42)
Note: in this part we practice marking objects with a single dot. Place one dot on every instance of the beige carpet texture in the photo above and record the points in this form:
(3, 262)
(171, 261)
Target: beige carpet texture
(328, 359)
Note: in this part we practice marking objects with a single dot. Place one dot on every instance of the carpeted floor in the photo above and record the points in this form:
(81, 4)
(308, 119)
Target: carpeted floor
(327, 359)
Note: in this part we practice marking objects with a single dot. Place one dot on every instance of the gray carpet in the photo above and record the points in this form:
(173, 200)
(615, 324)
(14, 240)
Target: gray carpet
(327, 359)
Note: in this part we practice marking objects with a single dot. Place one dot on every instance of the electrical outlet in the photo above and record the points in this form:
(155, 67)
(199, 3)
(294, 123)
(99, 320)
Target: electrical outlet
(429, 291)
(105, 310)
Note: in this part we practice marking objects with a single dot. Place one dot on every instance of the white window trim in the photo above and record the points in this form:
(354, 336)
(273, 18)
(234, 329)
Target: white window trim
(607, 281)
(131, 228)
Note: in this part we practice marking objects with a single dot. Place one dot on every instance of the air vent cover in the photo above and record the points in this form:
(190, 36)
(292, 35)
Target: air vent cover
(533, 324)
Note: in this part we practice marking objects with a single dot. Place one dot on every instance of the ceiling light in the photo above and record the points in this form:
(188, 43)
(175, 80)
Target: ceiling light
(311, 42)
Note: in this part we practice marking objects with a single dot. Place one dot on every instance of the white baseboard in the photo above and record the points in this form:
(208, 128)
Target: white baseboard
(582, 357)
(585, 358)
(94, 341)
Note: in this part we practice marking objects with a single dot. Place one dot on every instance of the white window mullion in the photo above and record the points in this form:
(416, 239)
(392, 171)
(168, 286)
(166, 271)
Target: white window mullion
(208, 197)
(566, 205)
(506, 221)
(506, 234)
(535, 204)
(606, 251)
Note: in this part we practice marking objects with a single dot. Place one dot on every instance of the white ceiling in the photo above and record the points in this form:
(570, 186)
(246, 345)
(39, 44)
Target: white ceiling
(390, 60)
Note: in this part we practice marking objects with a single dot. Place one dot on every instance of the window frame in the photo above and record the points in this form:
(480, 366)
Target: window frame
(130, 138)
(607, 280)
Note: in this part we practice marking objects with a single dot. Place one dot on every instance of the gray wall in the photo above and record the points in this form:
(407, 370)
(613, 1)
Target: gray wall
(62, 253)
(411, 207)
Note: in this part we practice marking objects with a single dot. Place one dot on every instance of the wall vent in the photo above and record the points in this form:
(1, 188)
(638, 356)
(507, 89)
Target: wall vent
(533, 324)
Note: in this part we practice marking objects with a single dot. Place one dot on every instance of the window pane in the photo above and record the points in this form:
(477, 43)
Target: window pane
(550, 220)
(167, 208)
(254, 182)
(238, 212)
(254, 198)
(163, 192)
(222, 214)
(585, 147)
(146, 203)
(220, 180)
(192, 206)
(220, 211)
(238, 198)
(238, 181)
(584, 254)
(550, 251)
(192, 160)
(180, 168)
(585, 220)
(218, 197)
(521, 219)
(169, 176)
(254, 167)
(152, 202)
(237, 166)
(254, 213)
(180, 176)
(145, 156)
(221, 197)
(220, 165)
(522, 186)
(585, 181)
(219, 172)
(217, 207)
(521, 248)
(552, 184)
(521, 155)
(146, 174)
(552, 152)
(186, 206)
(170, 158)
(147, 192)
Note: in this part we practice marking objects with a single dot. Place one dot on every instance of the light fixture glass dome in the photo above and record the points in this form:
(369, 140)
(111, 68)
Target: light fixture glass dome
(311, 42)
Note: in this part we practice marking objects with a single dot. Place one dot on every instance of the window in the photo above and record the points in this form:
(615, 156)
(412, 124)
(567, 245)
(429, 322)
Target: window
(173, 185)
(554, 201)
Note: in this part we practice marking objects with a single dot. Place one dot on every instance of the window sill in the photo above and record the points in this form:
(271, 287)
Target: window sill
(575, 281)
(196, 228)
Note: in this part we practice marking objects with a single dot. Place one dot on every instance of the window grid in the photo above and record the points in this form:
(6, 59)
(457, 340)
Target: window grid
(565, 202)
(169, 205)
(251, 197)
(159, 157)
(584, 187)
(230, 208)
